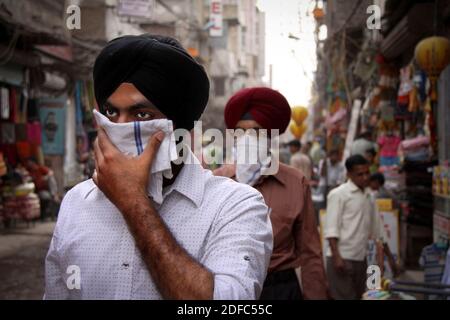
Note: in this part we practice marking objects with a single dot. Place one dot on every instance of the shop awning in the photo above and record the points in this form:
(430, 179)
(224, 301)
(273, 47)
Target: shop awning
(399, 44)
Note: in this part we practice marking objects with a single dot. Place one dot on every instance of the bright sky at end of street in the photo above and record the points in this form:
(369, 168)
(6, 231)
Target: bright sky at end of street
(293, 61)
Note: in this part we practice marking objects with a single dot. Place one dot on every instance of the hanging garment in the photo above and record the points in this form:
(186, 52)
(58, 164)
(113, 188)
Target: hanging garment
(34, 133)
(39, 153)
(389, 161)
(32, 110)
(8, 133)
(389, 145)
(4, 100)
(21, 132)
(3, 168)
(23, 101)
(13, 105)
(24, 150)
(10, 153)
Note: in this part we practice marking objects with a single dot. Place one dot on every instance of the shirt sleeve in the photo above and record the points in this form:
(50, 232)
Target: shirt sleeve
(333, 216)
(309, 249)
(55, 287)
(239, 247)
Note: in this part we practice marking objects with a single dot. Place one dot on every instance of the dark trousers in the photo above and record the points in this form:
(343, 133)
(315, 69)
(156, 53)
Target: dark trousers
(281, 285)
(348, 286)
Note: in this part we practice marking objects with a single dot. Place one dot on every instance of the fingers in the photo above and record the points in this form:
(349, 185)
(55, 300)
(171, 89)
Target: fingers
(95, 177)
(99, 158)
(152, 147)
(106, 146)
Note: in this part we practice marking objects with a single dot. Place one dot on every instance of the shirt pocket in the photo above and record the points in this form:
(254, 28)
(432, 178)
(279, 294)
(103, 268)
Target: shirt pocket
(283, 220)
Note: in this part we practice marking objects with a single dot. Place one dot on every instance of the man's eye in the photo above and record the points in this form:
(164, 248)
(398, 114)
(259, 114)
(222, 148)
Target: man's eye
(110, 113)
(143, 115)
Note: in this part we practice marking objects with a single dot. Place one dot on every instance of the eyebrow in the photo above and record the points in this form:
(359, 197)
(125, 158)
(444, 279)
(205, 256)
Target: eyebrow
(136, 106)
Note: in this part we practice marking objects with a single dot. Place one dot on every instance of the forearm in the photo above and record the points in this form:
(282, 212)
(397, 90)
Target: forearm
(313, 275)
(176, 274)
(310, 253)
(334, 247)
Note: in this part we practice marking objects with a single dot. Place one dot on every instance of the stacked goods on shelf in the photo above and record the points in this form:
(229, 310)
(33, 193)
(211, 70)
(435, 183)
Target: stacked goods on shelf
(419, 191)
(20, 203)
(394, 181)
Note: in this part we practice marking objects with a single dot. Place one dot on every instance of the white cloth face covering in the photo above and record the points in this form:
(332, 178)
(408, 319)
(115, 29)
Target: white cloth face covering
(251, 161)
(131, 138)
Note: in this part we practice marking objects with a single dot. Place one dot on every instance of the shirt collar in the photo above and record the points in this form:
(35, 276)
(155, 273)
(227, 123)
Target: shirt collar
(191, 170)
(353, 187)
(281, 175)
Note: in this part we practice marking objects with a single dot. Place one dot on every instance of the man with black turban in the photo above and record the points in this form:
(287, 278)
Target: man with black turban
(160, 69)
(146, 226)
(286, 193)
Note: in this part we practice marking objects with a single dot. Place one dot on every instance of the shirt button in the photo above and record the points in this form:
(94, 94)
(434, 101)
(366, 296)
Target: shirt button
(125, 265)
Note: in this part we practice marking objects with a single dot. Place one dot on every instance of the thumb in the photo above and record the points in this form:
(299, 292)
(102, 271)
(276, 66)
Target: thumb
(152, 147)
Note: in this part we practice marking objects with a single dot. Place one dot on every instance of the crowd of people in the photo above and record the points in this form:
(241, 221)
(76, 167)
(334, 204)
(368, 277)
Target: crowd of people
(149, 227)
(347, 191)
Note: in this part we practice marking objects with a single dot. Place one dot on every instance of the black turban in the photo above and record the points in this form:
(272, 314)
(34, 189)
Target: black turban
(160, 69)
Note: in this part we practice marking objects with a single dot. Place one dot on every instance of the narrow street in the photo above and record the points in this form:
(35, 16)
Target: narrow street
(22, 254)
(239, 150)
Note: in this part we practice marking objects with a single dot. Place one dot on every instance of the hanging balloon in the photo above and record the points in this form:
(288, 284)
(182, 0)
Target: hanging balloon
(295, 130)
(303, 129)
(298, 130)
(299, 114)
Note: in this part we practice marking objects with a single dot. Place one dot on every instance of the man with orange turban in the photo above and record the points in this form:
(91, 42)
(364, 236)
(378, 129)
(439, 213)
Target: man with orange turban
(287, 194)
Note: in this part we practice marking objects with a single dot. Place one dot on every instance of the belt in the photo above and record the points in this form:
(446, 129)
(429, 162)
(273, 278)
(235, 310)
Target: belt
(282, 276)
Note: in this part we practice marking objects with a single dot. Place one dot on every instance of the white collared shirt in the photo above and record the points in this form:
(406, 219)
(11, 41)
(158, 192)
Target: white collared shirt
(352, 218)
(222, 224)
(335, 174)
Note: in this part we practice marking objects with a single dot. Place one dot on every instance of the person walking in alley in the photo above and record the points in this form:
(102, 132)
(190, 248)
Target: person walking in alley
(351, 219)
(152, 223)
(300, 160)
(363, 143)
(331, 172)
(287, 194)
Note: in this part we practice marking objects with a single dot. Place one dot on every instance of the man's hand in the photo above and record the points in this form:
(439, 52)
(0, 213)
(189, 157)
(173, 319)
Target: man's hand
(339, 264)
(119, 177)
(124, 181)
